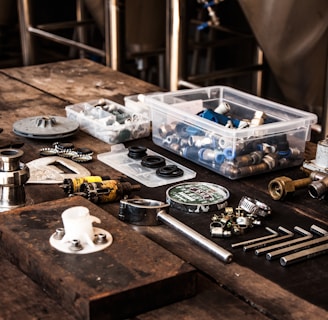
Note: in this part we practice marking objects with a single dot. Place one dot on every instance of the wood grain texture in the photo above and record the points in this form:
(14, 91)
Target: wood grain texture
(131, 276)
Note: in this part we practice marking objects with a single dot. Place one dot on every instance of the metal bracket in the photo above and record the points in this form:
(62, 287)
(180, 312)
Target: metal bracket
(47, 170)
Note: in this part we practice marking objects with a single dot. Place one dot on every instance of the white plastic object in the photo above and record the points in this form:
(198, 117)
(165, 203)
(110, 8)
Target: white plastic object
(78, 228)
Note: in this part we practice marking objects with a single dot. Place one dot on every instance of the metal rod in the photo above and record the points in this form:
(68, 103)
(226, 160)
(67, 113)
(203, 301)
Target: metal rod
(279, 253)
(65, 41)
(304, 255)
(257, 245)
(202, 241)
(306, 236)
(251, 241)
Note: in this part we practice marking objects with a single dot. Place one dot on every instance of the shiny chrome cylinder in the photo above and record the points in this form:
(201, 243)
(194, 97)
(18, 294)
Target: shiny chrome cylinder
(13, 176)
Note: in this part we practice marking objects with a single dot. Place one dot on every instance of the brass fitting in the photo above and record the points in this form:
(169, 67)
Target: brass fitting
(280, 187)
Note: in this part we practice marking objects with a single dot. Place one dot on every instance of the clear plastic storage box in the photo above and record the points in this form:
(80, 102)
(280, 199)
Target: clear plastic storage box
(109, 121)
(230, 132)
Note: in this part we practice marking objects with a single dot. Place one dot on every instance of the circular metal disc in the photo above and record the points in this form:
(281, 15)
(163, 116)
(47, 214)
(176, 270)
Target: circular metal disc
(45, 127)
(197, 197)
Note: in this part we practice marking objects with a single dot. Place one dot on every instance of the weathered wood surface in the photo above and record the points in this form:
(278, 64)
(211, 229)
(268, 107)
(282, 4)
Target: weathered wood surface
(21, 298)
(77, 81)
(131, 276)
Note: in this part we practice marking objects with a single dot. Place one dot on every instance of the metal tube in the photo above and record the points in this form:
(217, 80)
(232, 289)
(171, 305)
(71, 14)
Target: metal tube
(303, 255)
(306, 236)
(254, 240)
(210, 246)
(279, 253)
(65, 41)
(289, 234)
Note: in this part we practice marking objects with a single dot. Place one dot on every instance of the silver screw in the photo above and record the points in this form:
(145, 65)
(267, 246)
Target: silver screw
(75, 245)
(60, 232)
(100, 238)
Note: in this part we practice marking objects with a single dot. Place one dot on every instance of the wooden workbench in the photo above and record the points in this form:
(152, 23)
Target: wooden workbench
(249, 287)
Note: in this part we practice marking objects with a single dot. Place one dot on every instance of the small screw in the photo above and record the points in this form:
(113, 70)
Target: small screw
(60, 232)
(100, 238)
(75, 245)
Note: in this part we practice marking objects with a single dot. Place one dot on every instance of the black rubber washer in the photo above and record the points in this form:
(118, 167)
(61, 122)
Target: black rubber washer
(137, 152)
(153, 161)
(84, 151)
(169, 171)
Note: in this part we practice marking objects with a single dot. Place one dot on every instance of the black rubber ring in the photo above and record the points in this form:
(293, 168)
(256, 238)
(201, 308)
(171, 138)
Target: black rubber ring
(153, 161)
(137, 152)
(169, 171)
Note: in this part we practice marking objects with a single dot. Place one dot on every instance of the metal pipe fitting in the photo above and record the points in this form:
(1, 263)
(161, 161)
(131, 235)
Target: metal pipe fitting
(13, 176)
(318, 188)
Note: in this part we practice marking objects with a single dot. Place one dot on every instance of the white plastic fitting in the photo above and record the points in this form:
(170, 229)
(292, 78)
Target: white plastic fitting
(79, 235)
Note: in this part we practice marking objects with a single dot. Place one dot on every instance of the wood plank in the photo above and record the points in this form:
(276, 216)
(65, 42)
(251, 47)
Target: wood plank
(80, 80)
(131, 276)
(21, 298)
(211, 303)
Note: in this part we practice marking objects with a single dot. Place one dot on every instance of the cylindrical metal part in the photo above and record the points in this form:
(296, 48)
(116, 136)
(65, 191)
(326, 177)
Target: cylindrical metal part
(318, 188)
(150, 212)
(219, 252)
(280, 187)
(307, 244)
(9, 159)
(303, 255)
(107, 190)
(13, 176)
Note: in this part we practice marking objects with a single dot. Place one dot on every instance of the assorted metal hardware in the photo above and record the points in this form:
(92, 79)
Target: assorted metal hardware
(306, 235)
(278, 253)
(152, 212)
(244, 158)
(46, 127)
(109, 121)
(67, 150)
(13, 177)
(234, 222)
(291, 251)
(317, 184)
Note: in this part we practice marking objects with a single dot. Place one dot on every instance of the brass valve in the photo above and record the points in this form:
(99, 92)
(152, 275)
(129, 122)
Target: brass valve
(280, 187)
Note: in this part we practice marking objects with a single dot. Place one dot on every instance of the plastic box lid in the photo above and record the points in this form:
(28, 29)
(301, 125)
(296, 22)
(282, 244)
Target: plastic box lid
(188, 102)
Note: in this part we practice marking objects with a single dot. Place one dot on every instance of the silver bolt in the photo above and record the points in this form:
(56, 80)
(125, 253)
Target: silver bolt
(60, 232)
(75, 245)
(100, 238)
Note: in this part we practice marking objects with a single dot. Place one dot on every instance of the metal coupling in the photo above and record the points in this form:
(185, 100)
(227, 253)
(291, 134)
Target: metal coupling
(166, 130)
(319, 188)
(210, 155)
(271, 160)
(13, 176)
(201, 141)
(254, 157)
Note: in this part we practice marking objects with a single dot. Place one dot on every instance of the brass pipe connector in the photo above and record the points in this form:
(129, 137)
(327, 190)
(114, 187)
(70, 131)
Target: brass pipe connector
(282, 186)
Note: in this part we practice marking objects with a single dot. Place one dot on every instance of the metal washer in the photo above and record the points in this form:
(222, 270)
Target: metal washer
(45, 127)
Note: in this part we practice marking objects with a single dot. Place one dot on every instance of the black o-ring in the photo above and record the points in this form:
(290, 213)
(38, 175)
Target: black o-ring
(169, 171)
(137, 152)
(153, 161)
